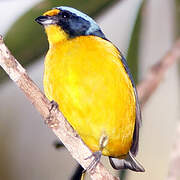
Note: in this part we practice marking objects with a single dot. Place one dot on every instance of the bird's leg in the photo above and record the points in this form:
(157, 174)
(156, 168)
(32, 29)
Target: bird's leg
(49, 121)
(95, 161)
(97, 155)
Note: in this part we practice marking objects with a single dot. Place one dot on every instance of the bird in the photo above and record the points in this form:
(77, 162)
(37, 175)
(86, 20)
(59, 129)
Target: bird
(89, 79)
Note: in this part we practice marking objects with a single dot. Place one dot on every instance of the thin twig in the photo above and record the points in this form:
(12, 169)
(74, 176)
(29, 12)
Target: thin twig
(156, 73)
(59, 125)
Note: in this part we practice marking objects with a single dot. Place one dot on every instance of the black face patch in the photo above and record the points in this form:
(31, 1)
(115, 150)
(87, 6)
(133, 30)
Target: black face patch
(75, 25)
(72, 24)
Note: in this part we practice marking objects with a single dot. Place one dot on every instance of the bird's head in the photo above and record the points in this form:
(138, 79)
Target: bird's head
(62, 23)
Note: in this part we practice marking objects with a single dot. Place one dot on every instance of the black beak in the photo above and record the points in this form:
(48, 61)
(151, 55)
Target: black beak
(46, 20)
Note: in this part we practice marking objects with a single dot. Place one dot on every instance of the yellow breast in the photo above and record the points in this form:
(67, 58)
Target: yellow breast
(86, 77)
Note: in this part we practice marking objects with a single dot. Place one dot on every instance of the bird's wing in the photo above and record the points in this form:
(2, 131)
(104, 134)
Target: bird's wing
(129, 162)
(134, 147)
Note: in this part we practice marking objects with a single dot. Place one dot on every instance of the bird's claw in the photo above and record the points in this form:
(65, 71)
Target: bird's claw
(95, 161)
(54, 105)
(50, 120)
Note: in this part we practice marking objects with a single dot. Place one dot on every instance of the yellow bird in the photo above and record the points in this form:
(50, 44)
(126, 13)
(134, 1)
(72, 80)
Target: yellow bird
(89, 79)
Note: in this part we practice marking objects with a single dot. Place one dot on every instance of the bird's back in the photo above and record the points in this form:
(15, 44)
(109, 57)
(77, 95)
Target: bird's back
(87, 79)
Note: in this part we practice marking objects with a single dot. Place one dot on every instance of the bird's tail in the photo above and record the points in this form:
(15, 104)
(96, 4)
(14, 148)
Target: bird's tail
(129, 162)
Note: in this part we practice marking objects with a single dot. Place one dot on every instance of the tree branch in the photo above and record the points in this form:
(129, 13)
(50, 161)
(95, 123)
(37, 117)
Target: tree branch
(156, 73)
(59, 125)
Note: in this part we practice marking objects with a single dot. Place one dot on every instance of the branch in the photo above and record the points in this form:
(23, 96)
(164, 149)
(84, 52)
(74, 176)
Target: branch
(156, 73)
(59, 125)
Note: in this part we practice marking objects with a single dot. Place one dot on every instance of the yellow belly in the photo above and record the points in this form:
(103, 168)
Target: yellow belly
(86, 78)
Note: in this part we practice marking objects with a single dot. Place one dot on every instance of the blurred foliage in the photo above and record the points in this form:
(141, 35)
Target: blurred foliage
(133, 50)
(26, 38)
(177, 6)
(177, 11)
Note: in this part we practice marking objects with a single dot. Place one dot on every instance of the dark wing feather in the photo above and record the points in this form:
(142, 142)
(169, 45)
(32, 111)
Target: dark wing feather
(135, 143)
(129, 162)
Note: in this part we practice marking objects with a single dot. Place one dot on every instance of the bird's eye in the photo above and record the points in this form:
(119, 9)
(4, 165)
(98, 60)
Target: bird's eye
(65, 15)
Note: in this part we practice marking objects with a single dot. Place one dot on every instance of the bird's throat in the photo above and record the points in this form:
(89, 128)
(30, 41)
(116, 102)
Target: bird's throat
(55, 34)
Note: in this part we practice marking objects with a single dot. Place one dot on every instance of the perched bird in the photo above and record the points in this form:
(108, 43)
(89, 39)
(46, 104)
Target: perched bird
(90, 80)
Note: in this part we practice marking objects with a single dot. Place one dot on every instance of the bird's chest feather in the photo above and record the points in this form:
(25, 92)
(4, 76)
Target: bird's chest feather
(87, 79)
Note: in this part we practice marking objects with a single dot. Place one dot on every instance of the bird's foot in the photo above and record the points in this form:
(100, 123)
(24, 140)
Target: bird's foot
(54, 105)
(97, 156)
(50, 121)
